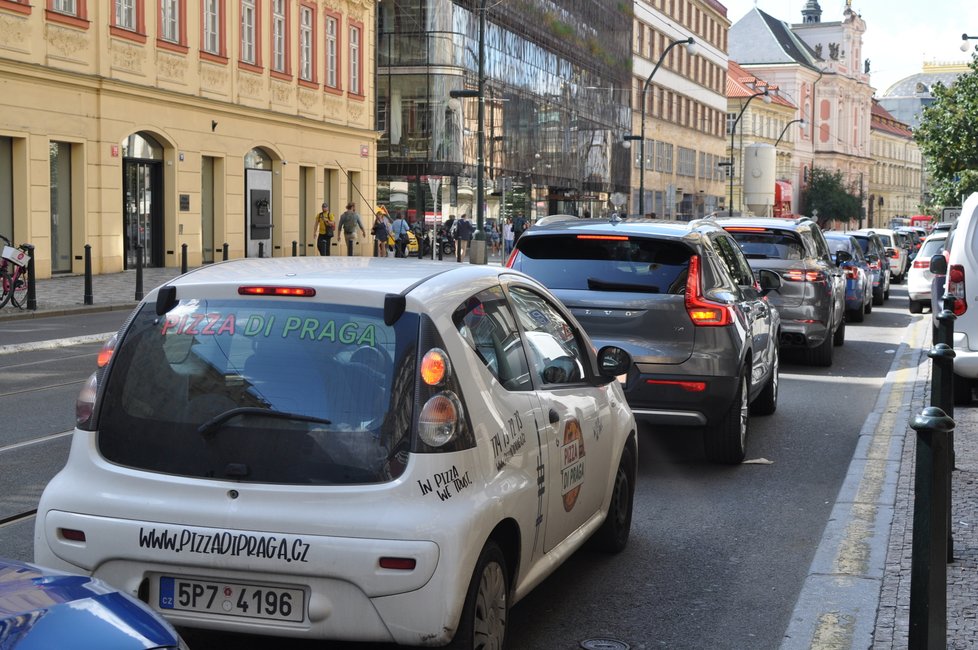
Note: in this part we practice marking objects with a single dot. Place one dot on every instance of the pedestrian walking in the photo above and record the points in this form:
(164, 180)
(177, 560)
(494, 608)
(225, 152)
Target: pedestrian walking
(520, 225)
(400, 229)
(508, 236)
(323, 229)
(463, 230)
(380, 231)
(349, 223)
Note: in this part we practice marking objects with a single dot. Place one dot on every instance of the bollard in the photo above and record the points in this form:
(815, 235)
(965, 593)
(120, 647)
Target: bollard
(88, 298)
(931, 512)
(225, 251)
(31, 286)
(183, 258)
(295, 248)
(139, 272)
(261, 249)
(438, 242)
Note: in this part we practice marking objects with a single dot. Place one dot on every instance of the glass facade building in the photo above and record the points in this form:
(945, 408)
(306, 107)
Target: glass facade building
(556, 105)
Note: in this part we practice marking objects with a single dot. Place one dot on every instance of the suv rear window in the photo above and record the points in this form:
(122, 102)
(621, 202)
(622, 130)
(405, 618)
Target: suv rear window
(605, 263)
(262, 391)
(760, 244)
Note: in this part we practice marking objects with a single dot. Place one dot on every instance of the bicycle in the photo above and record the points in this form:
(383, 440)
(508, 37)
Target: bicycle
(13, 273)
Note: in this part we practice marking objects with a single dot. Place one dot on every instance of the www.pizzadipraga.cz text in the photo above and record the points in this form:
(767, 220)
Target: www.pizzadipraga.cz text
(233, 544)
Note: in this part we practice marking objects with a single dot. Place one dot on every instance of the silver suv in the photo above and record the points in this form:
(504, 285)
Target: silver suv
(812, 301)
(682, 300)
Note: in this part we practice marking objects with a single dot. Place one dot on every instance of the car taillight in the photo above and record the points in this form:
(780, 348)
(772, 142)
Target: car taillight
(852, 272)
(105, 354)
(955, 287)
(701, 310)
(921, 264)
(801, 275)
(85, 403)
(512, 256)
(894, 254)
(443, 424)
(875, 265)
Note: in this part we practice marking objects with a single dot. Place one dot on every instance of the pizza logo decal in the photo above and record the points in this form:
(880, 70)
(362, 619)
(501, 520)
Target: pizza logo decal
(572, 464)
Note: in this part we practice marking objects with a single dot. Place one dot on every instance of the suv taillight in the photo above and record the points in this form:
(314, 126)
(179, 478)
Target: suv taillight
(955, 287)
(701, 310)
(801, 275)
(852, 272)
(85, 403)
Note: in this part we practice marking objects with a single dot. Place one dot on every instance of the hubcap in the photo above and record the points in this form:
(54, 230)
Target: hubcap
(490, 609)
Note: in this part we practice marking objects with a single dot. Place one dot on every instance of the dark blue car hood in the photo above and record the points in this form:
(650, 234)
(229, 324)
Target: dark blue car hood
(41, 608)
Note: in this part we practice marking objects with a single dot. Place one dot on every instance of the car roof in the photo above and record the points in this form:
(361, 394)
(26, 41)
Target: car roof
(661, 228)
(363, 281)
(767, 222)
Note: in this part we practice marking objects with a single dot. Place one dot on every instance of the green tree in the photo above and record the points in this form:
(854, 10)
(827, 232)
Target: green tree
(948, 137)
(827, 197)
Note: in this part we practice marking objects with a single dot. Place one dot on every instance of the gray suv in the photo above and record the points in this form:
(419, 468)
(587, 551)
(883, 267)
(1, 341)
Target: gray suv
(682, 300)
(812, 300)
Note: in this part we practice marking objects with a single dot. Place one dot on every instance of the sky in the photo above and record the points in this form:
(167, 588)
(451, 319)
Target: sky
(900, 34)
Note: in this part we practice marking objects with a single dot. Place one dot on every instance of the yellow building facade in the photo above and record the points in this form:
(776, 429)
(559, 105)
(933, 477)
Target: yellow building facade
(895, 180)
(137, 127)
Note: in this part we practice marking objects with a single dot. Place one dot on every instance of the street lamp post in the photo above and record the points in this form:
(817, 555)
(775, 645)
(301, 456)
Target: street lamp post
(800, 120)
(478, 253)
(964, 41)
(690, 44)
(733, 129)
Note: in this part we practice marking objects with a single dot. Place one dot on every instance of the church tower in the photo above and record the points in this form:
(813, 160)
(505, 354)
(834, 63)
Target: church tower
(812, 13)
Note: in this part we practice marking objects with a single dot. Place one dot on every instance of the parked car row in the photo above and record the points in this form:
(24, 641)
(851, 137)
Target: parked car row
(355, 449)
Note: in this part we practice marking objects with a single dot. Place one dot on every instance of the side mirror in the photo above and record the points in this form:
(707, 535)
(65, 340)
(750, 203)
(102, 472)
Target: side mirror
(613, 361)
(890, 252)
(938, 265)
(842, 257)
(769, 280)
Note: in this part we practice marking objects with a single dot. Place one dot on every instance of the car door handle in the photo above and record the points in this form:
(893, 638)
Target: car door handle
(554, 418)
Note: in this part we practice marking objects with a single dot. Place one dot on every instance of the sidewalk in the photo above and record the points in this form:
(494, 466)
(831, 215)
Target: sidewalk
(857, 594)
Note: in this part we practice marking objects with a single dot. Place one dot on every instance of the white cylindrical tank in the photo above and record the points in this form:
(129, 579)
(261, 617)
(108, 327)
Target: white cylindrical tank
(759, 166)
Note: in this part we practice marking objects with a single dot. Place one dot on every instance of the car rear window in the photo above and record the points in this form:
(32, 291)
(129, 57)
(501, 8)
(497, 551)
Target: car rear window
(605, 262)
(887, 241)
(837, 244)
(262, 391)
(763, 243)
(931, 247)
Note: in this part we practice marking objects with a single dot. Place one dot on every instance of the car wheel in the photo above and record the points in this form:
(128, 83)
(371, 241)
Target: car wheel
(821, 355)
(868, 307)
(767, 401)
(963, 389)
(916, 307)
(839, 337)
(486, 609)
(886, 294)
(856, 315)
(727, 441)
(878, 297)
(612, 537)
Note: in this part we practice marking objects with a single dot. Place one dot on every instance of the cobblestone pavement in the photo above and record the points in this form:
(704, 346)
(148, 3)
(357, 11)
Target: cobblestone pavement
(893, 616)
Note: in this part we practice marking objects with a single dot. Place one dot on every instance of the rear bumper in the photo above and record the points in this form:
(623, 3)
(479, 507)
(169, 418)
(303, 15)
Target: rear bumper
(667, 402)
(803, 335)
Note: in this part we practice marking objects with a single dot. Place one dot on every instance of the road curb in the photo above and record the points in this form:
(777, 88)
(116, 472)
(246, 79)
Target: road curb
(838, 602)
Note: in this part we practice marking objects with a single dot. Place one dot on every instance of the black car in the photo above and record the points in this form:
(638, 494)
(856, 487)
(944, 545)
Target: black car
(812, 301)
(682, 300)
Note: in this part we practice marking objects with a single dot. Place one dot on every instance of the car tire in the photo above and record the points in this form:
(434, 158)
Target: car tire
(612, 537)
(767, 401)
(963, 389)
(486, 610)
(886, 294)
(868, 307)
(821, 355)
(839, 336)
(878, 297)
(856, 315)
(916, 307)
(727, 441)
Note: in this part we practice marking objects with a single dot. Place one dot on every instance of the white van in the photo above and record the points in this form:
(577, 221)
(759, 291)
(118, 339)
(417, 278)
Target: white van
(962, 273)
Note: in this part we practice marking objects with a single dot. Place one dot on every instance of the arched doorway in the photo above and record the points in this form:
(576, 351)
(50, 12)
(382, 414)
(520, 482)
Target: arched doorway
(258, 206)
(142, 200)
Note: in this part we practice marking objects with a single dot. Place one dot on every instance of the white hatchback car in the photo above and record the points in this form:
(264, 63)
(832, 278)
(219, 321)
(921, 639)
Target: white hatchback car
(919, 277)
(344, 448)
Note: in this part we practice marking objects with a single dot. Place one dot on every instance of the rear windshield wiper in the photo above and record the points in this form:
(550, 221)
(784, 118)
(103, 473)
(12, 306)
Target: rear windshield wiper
(602, 285)
(215, 422)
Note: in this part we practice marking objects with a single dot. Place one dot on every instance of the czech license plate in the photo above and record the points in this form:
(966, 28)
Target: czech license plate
(232, 599)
